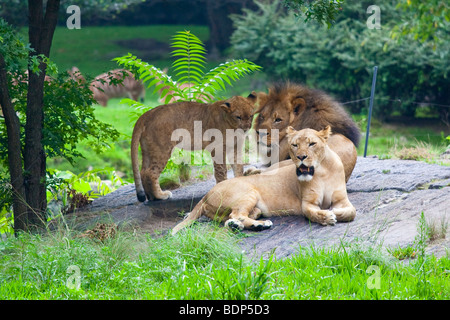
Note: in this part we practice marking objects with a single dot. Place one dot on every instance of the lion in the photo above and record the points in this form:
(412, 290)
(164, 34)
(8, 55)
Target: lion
(291, 104)
(313, 185)
(196, 123)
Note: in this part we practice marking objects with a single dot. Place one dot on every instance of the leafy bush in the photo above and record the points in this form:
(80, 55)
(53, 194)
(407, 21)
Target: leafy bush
(340, 60)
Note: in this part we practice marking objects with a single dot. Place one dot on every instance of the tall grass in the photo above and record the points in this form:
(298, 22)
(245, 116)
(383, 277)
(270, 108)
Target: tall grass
(205, 262)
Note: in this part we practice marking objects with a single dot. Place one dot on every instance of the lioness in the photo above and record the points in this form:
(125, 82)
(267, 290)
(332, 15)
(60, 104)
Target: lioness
(154, 132)
(313, 186)
(291, 104)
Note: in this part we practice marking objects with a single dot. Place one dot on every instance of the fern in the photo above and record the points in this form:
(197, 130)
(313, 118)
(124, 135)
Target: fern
(192, 84)
(192, 59)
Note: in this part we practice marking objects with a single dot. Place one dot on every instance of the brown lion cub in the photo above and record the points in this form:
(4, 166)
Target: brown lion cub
(159, 130)
(313, 186)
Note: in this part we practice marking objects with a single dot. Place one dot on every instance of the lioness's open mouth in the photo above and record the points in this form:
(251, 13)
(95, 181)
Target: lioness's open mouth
(304, 170)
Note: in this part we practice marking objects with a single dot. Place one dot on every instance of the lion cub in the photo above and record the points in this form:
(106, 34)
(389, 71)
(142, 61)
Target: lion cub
(313, 186)
(157, 132)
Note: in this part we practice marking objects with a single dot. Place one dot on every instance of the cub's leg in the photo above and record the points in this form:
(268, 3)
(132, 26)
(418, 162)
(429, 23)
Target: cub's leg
(220, 172)
(342, 207)
(151, 170)
(220, 164)
(235, 158)
(315, 214)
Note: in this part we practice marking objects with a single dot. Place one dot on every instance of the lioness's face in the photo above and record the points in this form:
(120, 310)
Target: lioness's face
(239, 111)
(275, 114)
(307, 150)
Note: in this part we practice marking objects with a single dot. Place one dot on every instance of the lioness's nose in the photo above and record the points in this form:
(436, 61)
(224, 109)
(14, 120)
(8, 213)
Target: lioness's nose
(301, 158)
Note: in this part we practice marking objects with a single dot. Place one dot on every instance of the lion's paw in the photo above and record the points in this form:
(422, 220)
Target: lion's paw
(330, 218)
(234, 224)
(261, 225)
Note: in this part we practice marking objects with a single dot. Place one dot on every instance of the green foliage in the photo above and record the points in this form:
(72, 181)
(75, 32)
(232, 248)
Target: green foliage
(64, 188)
(322, 11)
(340, 60)
(188, 68)
(68, 118)
(12, 47)
(430, 18)
(68, 112)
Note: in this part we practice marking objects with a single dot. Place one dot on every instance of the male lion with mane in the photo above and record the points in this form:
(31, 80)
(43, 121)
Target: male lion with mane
(313, 186)
(291, 104)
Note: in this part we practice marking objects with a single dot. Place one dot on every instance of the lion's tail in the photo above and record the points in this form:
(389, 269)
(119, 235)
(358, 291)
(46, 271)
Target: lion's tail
(137, 132)
(190, 217)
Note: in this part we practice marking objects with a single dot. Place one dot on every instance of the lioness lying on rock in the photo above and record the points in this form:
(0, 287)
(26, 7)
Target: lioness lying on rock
(313, 186)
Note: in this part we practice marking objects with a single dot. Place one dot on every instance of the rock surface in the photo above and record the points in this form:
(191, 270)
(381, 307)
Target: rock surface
(389, 196)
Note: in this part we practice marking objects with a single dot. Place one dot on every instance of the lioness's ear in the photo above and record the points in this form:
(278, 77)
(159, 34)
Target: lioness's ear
(325, 133)
(298, 105)
(290, 131)
(252, 97)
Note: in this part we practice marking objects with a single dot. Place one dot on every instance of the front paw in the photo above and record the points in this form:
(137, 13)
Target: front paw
(328, 218)
(234, 224)
(261, 225)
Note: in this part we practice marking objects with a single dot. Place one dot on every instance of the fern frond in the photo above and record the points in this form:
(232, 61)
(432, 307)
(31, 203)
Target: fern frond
(214, 81)
(139, 108)
(191, 50)
(151, 76)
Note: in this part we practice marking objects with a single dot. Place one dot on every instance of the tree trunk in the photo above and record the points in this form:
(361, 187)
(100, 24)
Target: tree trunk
(220, 24)
(41, 30)
(14, 151)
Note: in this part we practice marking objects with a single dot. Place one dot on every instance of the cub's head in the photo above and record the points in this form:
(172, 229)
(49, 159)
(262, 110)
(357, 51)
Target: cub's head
(307, 150)
(277, 110)
(239, 111)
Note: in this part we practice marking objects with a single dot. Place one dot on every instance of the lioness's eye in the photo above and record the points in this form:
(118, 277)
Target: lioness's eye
(238, 117)
(312, 144)
(294, 145)
(278, 120)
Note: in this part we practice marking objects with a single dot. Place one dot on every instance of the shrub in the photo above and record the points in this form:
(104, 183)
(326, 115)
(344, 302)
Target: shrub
(340, 60)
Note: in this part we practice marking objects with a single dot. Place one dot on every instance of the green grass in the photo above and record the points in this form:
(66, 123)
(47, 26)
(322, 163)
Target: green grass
(91, 49)
(386, 140)
(204, 262)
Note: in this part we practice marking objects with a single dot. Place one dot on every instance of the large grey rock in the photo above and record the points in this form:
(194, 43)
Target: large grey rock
(389, 196)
